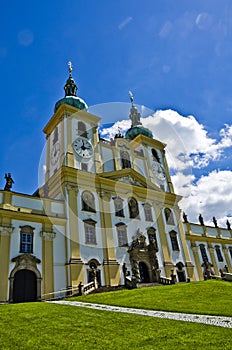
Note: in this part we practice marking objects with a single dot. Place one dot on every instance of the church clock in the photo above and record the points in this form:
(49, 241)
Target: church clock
(83, 147)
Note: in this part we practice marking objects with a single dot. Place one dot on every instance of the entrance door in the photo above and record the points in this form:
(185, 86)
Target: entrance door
(24, 286)
(181, 276)
(144, 275)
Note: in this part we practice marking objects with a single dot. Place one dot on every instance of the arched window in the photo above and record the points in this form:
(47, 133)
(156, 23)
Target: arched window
(133, 208)
(90, 231)
(122, 234)
(230, 250)
(174, 240)
(147, 212)
(151, 232)
(219, 254)
(125, 159)
(81, 129)
(155, 155)
(118, 204)
(203, 252)
(55, 137)
(169, 216)
(88, 202)
(26, 239)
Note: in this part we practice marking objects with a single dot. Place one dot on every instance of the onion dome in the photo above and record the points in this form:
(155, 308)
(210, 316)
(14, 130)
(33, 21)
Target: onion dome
(136, 125)
(71, 97)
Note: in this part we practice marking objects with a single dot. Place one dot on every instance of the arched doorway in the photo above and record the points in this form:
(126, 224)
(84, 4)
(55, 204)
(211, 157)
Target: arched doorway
(180, 272)
(25, 279)
(24, 286)
(144, 274)
(93, 272)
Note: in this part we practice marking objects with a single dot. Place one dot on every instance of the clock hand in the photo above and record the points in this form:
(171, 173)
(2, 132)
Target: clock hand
(83, 146)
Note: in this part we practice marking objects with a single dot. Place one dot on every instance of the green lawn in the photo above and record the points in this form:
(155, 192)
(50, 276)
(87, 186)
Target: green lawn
(51, 326)
(206, 297)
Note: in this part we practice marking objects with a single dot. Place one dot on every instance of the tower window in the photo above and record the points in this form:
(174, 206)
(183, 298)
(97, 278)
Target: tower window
(55, 137)
(133, 208)
(147, 212)
(26, 239)
(219, 254)
(151, 232)
(169, 216)
(122, 235)
(88, 202)
(155, 155)
(125, 159)
(90, 232)
(203, 252)
(118, 204)
(84, 166)
(81, 129)
(174, 240)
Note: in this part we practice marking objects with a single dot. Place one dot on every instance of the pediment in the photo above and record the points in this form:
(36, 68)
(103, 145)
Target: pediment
(132, 177)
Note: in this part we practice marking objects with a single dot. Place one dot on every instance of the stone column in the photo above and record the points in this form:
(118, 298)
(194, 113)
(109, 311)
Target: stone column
(188, 263)
(170, 185)
(195, 250)
(73, 239)
(47, 261)
(5, 238)
(110, 264)
(168, 265)
(212, 256)
(226, 254)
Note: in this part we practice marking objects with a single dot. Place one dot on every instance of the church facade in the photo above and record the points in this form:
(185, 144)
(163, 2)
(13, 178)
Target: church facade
(107, 207)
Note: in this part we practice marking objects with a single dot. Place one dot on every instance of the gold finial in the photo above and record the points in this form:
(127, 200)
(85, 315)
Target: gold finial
(70, 67)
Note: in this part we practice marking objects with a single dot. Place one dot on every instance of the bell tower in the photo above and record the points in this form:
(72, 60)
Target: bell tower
(71, 133)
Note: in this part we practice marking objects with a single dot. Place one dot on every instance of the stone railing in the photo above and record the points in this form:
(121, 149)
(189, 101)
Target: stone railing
(64, 293)
(165, 280)
(88, 288)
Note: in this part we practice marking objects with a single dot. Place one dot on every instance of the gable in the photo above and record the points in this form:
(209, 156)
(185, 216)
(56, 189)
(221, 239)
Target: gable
(132, 177)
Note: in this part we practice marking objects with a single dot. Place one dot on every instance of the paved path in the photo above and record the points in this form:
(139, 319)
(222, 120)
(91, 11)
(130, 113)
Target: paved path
(219, 321)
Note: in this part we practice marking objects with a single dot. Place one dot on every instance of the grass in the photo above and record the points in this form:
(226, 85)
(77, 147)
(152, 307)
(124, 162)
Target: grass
(206, 297)
(51, 326)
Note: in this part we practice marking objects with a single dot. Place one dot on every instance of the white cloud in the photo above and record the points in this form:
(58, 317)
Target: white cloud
(211, 196)
(189, 147)
(124, 23)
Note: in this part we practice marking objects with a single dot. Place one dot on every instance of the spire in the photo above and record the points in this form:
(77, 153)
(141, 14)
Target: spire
(70, 87)
(134, 114)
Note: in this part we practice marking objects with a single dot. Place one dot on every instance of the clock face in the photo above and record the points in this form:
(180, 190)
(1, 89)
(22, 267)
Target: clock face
(55, 153)
(83, 147)
(158, 171)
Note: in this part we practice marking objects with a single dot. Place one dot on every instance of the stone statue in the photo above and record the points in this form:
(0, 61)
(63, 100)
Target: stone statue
(185, 217)
(124, 269)
(215, 222)
(134, 114)
(9, 182)
(228, 225)
(201, 220)
(208, 271)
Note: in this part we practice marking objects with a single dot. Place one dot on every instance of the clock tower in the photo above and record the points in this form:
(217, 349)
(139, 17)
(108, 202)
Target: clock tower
(71, 135)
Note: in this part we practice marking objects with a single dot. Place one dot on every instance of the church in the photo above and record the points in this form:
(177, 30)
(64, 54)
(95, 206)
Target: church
(107, 210)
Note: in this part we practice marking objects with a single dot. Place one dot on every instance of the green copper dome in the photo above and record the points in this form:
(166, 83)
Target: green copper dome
(71, 98)
(71, 101)
(138, 130)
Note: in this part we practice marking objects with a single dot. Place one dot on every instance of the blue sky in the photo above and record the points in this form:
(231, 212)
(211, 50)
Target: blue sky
(172, 54)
